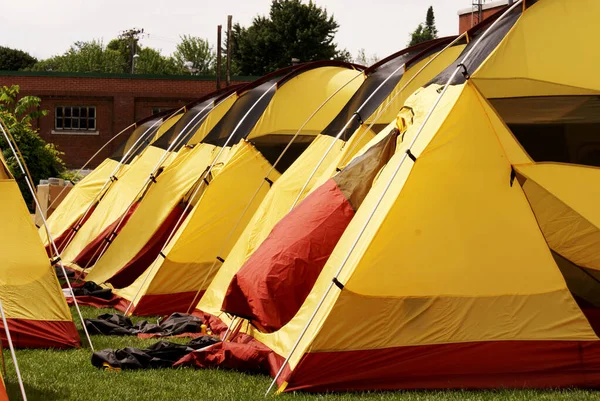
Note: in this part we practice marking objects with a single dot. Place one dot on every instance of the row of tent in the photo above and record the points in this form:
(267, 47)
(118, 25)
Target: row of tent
(428, 222)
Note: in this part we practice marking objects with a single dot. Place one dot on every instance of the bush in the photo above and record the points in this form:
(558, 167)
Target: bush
(42, 159)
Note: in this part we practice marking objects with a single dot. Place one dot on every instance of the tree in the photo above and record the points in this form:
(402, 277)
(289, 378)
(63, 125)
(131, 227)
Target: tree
(150, 61)
(198, 52)
(89, 56)
(122, 47)
(362, 58)
(425, 32)
(14, 59)
(42, 159)
(292, 30)
(430, 23)
(93, 56)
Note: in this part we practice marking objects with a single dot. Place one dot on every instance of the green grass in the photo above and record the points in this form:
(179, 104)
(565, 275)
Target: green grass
(69, 375)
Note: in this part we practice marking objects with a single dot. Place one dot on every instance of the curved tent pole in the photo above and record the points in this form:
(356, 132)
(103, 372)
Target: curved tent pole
(386, 188)
(12, 352)
(398, 93)
(253, 197)
(202, 181)
(153, 175)
(57, 259)
(92, 158)
(108, 183)
(339, 135)
(289, 144)
(384, 108)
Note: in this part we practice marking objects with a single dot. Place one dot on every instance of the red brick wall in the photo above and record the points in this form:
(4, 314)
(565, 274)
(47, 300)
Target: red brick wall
(119, 100)
(465, 20)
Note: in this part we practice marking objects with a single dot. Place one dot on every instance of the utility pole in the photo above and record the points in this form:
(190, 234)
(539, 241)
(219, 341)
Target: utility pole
(228, 72)
(132, 35)
(218, 56)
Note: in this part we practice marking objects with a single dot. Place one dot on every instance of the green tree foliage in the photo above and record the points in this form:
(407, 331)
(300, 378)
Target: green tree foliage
(150, 61)
(42, 159)
(89, 56)
(93, 56)
(14, 59)
(424, 32)
(292, 30)
(197, 51)
(123, 48)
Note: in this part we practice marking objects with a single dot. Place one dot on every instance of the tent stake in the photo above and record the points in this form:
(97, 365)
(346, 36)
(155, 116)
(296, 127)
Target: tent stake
(12, 352)
(386, 188)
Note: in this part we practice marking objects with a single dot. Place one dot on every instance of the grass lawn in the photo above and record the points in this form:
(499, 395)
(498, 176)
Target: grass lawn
(69, 375)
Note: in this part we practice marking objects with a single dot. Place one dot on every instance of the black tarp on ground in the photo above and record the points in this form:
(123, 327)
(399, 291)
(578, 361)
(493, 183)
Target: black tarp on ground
(163, 354)
(118, 325)
(91, 289)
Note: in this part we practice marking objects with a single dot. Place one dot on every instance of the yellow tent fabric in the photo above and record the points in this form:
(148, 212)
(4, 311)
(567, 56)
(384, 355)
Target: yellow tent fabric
(35, 307)
(187, 263)
(491, 277)
(123, 192)
(522, 65)
(83, 194)
(303, 94)
(282, 195)
(565, 205)
(114, 203)
(451, 273)
(285, 192)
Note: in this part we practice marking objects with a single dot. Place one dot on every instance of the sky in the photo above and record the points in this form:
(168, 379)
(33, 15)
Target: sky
(48, 27)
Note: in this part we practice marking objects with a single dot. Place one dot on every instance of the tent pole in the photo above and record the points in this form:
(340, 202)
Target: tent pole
(53, 244)
(306, 122)
(92, 158)
(357, 113)
(386, 188)
(283, 152)
(390, 101)
(152, 177)
(342, 131)
(12, 352)
(108, 183)
(202, 182)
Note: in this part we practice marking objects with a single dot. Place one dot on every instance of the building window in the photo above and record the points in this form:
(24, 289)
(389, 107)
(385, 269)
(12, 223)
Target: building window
(75, 118)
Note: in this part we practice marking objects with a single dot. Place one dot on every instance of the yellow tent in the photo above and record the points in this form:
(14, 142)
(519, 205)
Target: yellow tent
(36, 310)
(116, 205)
(286, 193)
(268, 113)
(471, 262)
(90, 188)
(176, 288)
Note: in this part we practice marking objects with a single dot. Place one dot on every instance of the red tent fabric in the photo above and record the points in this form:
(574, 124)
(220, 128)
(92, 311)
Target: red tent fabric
(271, 286)
(90, 254)
(136, 266)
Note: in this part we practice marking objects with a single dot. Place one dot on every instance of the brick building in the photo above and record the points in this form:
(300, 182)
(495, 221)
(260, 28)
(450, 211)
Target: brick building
(87, 110)
(467, 17)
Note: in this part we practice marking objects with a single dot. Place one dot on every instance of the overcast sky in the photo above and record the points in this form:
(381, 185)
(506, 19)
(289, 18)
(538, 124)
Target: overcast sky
(47, 27)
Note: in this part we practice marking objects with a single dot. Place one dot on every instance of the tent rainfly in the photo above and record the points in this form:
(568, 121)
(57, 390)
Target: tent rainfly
(471, 262)
(381, 89)
(32, 300)
(110, 210)
(236, 155)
